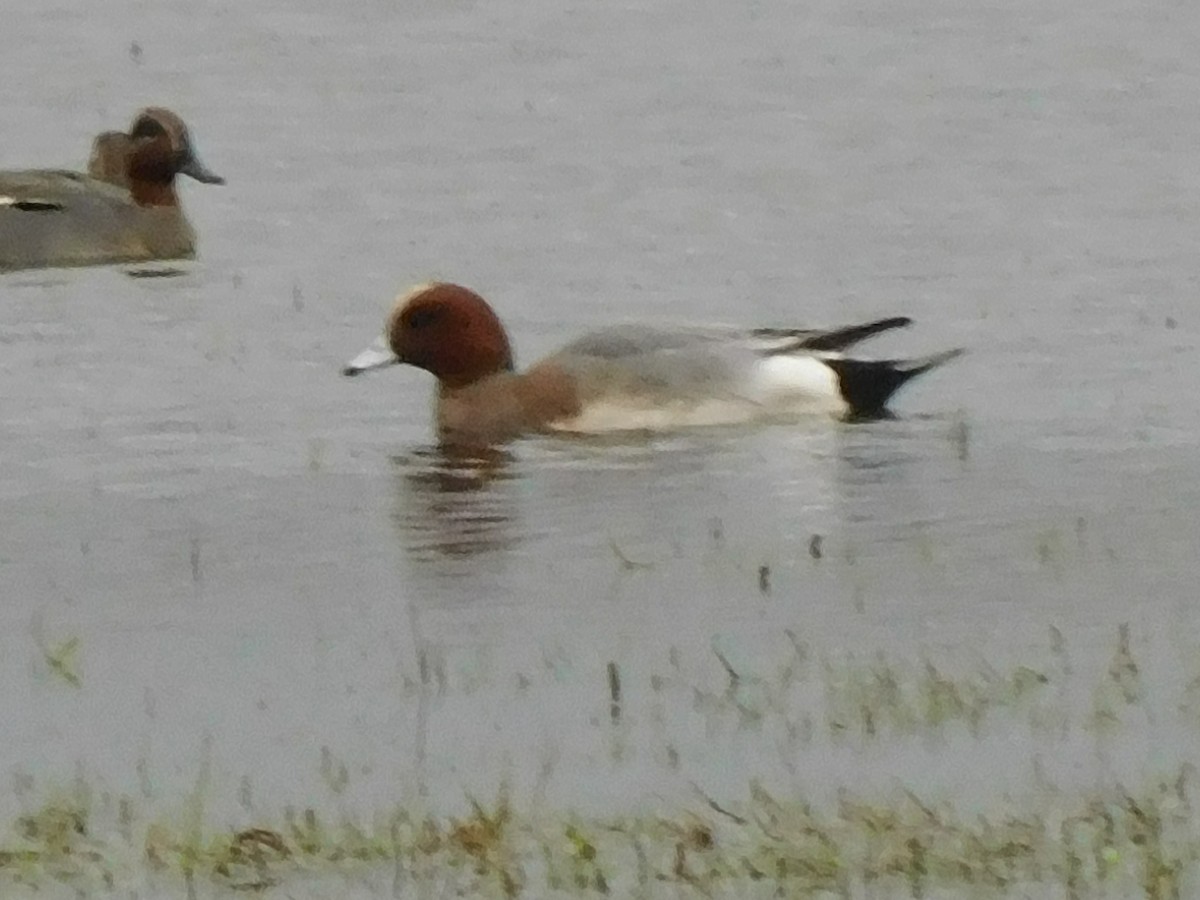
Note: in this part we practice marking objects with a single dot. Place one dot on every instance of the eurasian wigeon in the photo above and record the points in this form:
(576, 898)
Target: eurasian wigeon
(629, 376)
(53, 217)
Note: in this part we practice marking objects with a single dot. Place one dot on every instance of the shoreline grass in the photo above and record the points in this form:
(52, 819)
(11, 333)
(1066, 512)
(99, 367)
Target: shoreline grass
(1098, 839)
(1111, 842)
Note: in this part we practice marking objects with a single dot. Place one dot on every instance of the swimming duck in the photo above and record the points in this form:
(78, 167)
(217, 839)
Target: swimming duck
(630, 377)
(51, 217)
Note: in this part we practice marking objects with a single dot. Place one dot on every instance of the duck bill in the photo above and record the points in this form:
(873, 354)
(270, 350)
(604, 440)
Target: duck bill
(377, 356)
(193, 168)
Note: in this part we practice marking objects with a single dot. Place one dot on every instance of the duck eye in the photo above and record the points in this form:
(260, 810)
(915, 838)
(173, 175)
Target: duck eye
(147, 128)
(422, 318)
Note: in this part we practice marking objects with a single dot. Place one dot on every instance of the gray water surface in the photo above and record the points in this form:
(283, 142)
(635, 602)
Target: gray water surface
(265, 564)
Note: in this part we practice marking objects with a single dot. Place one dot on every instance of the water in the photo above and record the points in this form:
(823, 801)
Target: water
(265, 565)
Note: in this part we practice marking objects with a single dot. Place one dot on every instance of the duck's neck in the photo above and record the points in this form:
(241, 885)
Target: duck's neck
(151, 168)
(485, 410)
(153, 193)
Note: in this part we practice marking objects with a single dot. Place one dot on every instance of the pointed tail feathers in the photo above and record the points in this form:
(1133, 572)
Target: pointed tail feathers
(868, 384)
(841, 338)
(827, 339)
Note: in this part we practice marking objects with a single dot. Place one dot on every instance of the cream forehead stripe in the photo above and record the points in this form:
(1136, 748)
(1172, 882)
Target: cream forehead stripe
(412, 292)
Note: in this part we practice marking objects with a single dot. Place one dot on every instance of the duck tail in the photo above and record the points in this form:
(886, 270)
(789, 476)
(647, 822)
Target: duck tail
(840, 338)
(868, 384)
(826, 339)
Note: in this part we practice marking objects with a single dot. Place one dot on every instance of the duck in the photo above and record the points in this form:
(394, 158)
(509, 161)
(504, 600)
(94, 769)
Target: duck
(630, 377)
(125, 209)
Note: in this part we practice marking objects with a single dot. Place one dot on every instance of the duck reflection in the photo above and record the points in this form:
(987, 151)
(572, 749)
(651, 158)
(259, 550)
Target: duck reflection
(891, 451)
(453, 502)
(900, 482)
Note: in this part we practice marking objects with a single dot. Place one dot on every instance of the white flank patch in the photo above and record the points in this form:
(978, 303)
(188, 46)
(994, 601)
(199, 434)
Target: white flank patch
(798, 384)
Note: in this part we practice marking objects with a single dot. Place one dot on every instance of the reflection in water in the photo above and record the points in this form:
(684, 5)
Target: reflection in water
(896, 503)
(884, 453)
(872, 455)
(450, 501)
(879, 482)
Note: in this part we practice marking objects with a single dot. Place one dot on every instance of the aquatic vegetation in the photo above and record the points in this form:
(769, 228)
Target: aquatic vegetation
(1108, 843)
(1103, 838)
(63, 660)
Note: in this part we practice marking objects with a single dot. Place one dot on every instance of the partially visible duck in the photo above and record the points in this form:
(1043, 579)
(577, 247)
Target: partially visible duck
(629, 377)
(53, 217)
